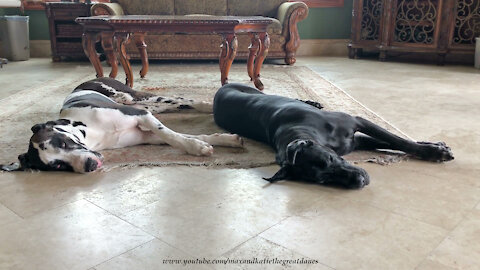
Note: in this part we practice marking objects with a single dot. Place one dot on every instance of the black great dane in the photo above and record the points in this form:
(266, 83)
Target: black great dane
(309, 141)
(106, 114)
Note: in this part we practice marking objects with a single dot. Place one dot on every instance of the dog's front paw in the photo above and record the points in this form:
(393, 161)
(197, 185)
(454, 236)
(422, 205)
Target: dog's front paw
(199, 148)
(438, 152)
(359, 179)
(238, 140)
(231, 140)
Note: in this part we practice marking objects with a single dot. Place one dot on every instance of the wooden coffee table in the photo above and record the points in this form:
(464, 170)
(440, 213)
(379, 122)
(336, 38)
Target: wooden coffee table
(115, 31)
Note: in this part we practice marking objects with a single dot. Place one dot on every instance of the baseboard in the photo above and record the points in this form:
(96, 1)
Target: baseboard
(323, 47)
(40, 48)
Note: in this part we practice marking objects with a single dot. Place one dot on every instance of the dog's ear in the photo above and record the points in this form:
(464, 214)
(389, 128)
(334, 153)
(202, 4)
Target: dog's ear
(37, 127)
(62, 122)
(24, 161)
(17, 166)
(295, 147)
(305, 143)
(11, 167)
(282, 174)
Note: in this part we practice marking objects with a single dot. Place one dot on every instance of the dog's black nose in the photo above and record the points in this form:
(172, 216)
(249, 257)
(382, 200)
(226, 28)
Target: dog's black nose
(90, 165)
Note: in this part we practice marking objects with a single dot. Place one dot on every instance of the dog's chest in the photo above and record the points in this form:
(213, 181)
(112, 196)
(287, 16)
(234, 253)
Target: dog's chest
(104, 127)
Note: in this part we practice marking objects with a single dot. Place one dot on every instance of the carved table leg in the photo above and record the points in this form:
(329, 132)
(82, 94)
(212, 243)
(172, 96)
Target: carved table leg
(142, 49)
(107, 45)
(264, 45)
(227, 54)
(122, 39)
(88, 42)
(253, 48)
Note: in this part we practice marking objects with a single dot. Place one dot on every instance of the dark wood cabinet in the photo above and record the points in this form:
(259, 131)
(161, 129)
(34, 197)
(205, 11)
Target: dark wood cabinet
(422, 26)
(65, 33)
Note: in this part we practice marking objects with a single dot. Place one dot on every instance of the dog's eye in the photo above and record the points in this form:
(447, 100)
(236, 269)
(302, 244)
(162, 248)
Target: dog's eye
(63, 145)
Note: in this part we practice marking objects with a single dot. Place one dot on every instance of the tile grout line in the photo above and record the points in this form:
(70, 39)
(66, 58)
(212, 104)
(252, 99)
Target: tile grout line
(273, 242)
(448, 234)
(256, 235)
(155, 237)
(442, 240)
(45, 210)
(107, 260)
(11, 210)
(402, 215)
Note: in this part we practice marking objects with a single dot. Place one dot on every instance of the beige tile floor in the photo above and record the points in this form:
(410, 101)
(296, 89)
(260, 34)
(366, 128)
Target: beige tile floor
(413, 215)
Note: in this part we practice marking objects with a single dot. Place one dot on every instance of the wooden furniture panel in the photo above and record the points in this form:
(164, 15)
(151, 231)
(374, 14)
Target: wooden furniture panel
(422, 26)
(65, 33)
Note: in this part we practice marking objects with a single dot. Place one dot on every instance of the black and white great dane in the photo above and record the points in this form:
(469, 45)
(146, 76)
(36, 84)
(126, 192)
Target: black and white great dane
(309, 141)
(106, 114)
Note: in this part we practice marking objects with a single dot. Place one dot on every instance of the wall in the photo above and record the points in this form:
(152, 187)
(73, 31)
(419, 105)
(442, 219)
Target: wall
(322, 23)
(38, 23)
(327, 23)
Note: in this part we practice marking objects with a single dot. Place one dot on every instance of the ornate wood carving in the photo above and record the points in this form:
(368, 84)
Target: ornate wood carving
(423, 26)
(415, 21)
(88, 40)
(122, 28)
(228, 52)
(264, 46)
(275, 52)
(108, 47)
(253, 48)
(260, 42)
(142, 49)
(467, 22)
(293, 39)
(371, 16)
(122, 39)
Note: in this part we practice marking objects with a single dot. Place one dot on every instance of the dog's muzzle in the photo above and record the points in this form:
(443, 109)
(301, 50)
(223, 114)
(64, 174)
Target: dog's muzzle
(92, 164)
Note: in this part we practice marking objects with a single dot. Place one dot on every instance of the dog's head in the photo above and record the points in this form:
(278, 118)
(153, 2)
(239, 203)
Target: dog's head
(310, 161)
(58, 146)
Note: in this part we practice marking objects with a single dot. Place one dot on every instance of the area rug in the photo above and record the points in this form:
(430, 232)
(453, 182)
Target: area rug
(197, 81)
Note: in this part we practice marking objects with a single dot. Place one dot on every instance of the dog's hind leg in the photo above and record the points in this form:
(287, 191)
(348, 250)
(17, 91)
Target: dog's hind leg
(190, 145)
(423, 150)
(364, 142)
